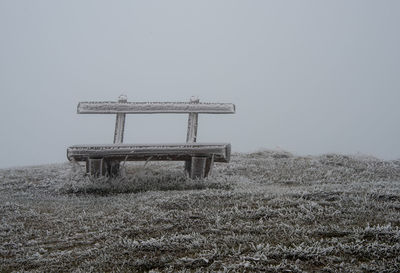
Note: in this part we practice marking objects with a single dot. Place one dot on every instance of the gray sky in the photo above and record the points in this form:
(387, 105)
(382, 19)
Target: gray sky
(310, 77)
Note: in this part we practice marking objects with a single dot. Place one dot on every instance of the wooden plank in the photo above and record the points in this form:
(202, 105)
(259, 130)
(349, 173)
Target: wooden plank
(154, 108)
(139, 152)
(120, 123)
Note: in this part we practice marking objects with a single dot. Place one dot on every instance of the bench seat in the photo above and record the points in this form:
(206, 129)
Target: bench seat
(139, 152)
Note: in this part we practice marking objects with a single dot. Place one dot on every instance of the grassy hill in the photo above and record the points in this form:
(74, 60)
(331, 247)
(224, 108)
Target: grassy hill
(267, 211)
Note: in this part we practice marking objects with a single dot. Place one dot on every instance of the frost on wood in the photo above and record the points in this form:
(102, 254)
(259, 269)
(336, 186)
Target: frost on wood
(120, 123)
(132, 152)
(92, 154)
(110, 107)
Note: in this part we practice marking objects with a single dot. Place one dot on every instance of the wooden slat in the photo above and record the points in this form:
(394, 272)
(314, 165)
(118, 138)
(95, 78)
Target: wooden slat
(138, 152)
(110, 107)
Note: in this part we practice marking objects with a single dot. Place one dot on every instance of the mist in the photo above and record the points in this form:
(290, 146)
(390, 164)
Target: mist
(308, 77)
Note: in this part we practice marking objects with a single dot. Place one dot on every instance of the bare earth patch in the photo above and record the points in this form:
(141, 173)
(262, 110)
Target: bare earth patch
(267, 211)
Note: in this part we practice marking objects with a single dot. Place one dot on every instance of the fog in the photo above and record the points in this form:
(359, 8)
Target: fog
(309, 77)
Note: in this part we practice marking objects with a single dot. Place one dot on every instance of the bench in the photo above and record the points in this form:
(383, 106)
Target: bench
(199, 158)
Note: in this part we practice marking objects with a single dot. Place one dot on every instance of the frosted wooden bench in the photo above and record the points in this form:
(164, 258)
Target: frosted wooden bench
(199, 157)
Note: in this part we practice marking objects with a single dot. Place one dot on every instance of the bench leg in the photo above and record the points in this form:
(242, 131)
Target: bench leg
(112, 167)
(188, 165)
(95, 167)
(99, 166)
(198, 167)
(209, 166)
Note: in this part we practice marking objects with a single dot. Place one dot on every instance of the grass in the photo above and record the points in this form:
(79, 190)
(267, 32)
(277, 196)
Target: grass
(268, 211)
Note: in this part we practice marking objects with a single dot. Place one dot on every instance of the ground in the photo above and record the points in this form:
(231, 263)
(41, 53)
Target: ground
(267, 211)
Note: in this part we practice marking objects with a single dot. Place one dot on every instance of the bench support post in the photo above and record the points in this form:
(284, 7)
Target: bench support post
(120, 124)
(112, 167)
(209, 166)
(198, 167)
(191, 133)
(99, 166)
(95, 167)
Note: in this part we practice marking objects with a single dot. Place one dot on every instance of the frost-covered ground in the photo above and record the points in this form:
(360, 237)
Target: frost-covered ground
(267, 211)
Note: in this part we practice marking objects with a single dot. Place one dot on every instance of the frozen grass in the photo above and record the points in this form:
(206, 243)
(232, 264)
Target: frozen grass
(267, 211)
(137, 179)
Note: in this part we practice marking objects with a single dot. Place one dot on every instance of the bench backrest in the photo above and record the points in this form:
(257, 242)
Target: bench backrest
(123, 107)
